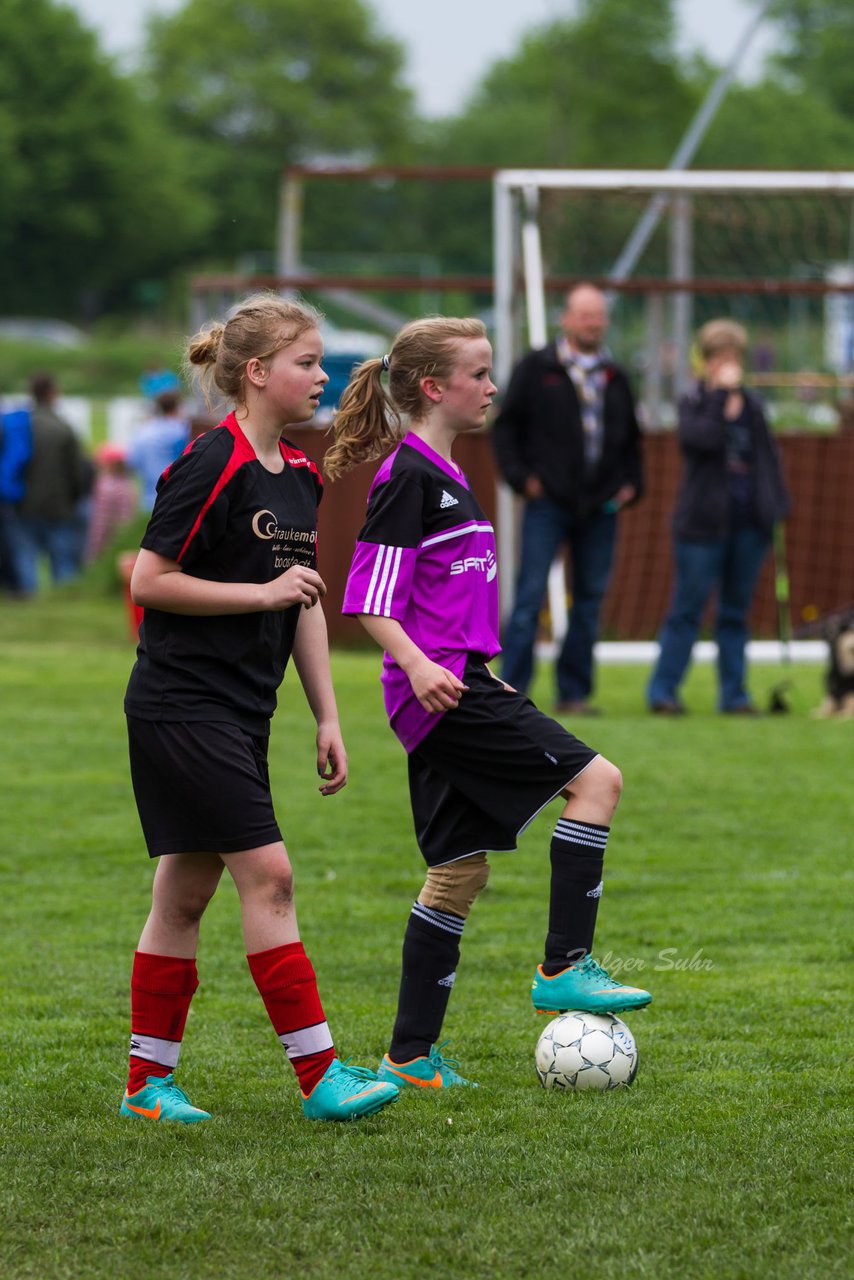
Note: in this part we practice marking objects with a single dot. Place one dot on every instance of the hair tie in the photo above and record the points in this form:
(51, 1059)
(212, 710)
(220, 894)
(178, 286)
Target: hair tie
(385, 362)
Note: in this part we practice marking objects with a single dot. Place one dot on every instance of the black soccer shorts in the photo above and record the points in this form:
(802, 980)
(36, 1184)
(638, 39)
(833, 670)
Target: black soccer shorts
(487, 769)
(200, 787)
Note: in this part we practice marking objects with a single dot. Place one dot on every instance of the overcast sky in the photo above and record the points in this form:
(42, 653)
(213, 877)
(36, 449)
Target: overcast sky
(451, 43)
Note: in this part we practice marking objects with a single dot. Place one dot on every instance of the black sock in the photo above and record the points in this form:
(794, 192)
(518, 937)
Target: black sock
(431, 952)
(577, 856)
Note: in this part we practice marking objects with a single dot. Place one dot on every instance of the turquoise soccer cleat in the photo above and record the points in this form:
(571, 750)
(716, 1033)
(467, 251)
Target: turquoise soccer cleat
(347, 1093)
(161, 1099)
(431, 1072)
(585, 986)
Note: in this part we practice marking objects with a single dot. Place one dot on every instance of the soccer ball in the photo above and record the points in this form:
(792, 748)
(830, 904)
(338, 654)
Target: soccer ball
(586, 1051)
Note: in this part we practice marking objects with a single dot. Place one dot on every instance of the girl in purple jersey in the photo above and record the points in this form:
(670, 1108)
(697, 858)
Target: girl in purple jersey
(228, 578)
(483, 760)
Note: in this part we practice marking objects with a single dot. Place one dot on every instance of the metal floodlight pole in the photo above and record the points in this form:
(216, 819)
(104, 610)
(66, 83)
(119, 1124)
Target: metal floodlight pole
(685, 152)
(289, 236)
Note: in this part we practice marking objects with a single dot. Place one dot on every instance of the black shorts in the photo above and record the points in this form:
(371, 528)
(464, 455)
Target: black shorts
(200, 787)
(486, 770)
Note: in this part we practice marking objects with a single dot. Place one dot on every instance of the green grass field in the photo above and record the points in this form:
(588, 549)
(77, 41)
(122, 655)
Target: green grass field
(729, 1157)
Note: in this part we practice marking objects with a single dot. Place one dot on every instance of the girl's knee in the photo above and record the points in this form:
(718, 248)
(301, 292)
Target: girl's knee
(281, 889)
(601, 782)
(275, 886)
(263, 874)
(183, 887)
(182, 910)
(614, 781)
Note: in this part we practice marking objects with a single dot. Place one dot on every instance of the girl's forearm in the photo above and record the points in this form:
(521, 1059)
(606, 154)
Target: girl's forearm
(311, 659)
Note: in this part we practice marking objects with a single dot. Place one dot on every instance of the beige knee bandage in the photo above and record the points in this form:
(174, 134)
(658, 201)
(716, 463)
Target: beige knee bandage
(455, 886)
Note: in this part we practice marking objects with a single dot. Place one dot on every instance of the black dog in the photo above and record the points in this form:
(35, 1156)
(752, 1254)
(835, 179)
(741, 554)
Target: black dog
(839, 680)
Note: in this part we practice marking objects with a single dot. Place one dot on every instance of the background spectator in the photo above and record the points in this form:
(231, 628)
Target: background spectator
(56, 478)
(114, 499)
(157, 443)
(732, 493)
(567, 440)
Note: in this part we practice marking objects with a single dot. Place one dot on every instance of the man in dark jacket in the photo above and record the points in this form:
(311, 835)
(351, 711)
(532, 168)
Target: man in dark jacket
(567, 441)
(732, 494)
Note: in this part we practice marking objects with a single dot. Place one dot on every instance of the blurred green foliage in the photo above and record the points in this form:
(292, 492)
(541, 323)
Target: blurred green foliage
(93, 194)
(255, 85)
(118, 185)
(103, 366)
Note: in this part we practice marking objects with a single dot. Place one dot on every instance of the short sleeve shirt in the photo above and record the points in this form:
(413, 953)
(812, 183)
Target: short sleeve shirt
(425, 556)
(155, 446)
(224, 517)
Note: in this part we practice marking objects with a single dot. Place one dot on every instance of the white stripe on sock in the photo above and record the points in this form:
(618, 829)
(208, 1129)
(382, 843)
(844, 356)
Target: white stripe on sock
(437, 918)
(587, 827)
(581, 834)
(299, 1044)
(590, 844)
(153, 1050)
(447, 916)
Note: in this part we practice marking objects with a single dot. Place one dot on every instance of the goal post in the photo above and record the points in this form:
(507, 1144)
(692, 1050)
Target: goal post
(772, 248)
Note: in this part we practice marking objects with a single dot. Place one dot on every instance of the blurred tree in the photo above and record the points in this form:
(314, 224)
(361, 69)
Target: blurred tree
(256, 85)
(603, 89)
(92, 192)
(747, 134)
(607, 89)
(817, 38)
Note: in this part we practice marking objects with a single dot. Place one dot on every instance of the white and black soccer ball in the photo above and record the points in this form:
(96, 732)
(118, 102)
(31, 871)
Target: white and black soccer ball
(586, 1051)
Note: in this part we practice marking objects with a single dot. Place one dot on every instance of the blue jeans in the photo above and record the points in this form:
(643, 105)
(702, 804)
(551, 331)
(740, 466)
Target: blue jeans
(545, 527)
(8, 572)
(732, 567)
(28, 536)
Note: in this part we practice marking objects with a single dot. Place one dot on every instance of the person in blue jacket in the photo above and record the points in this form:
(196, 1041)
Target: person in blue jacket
(16, 447)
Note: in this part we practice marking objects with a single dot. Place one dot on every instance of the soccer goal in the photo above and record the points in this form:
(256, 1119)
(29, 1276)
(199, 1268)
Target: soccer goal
(672, 249)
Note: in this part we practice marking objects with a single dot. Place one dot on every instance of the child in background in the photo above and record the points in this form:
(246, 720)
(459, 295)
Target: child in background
(114, 500)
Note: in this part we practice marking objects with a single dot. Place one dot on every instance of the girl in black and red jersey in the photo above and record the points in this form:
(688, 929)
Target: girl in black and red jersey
(227, 575)
(482, 759)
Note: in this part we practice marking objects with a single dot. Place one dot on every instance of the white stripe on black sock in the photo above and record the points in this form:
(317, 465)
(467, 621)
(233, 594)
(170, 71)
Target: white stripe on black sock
(581, 833)
(440, 919)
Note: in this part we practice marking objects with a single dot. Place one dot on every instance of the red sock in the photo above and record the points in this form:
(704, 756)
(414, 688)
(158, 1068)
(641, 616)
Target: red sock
(285, 978)
(161, 988)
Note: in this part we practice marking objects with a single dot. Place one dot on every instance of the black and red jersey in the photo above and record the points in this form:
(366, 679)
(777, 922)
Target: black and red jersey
(224, 517)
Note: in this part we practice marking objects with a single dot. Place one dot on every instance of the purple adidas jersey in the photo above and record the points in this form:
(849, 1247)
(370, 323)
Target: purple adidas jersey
(425, 556)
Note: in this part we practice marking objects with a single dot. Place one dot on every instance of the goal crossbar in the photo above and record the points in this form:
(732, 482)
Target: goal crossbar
(687, 181)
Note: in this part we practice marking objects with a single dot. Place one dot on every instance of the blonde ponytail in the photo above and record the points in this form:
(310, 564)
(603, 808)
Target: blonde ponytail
(366, 424)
